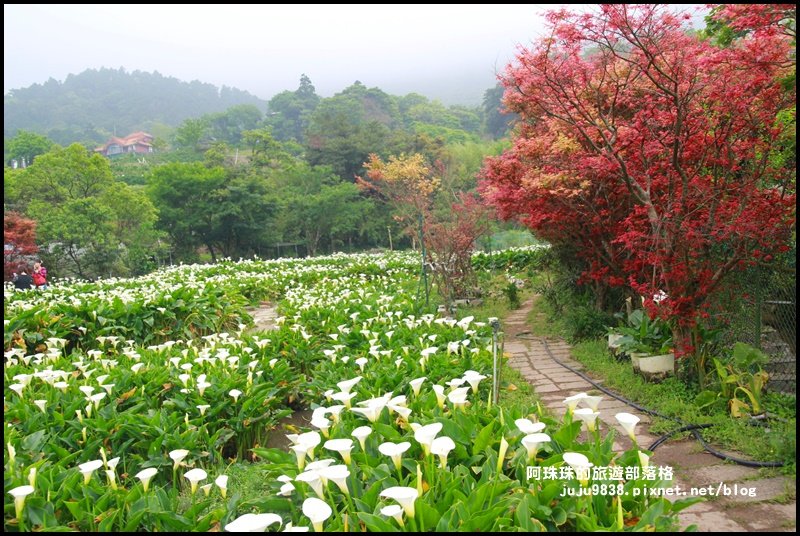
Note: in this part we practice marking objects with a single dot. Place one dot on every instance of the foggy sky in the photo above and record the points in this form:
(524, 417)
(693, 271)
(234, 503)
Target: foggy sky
(265, 49)
(445, 52)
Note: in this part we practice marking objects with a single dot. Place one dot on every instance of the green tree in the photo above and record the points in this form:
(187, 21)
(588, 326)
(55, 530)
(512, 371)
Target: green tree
(289, 111)
(24, 147)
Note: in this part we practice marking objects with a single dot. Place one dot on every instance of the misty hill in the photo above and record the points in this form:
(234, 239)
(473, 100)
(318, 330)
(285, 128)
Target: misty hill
(92, 105)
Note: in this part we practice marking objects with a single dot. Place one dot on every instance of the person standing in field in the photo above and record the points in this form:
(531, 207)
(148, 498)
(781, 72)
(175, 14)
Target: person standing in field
(39, 276)
(22, 281)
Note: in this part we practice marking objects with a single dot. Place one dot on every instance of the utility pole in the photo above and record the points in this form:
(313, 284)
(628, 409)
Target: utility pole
(388, 228)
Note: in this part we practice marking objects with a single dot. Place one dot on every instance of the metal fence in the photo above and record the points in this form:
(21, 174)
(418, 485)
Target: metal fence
(759, 307)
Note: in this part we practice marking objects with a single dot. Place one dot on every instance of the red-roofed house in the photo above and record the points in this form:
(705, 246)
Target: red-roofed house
(138, 142)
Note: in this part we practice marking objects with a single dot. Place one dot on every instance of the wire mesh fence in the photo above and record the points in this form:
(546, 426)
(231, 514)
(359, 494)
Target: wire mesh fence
(759, 307)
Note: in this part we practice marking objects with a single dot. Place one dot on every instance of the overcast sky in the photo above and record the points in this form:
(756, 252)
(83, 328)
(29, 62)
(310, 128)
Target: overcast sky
(445, 52)
(265, 49)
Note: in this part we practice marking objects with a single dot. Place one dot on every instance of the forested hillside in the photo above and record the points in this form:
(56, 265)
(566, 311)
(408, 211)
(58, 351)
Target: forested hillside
(91, 106)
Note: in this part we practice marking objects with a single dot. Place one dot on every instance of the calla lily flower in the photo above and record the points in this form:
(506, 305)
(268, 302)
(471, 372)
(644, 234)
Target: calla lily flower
(416, 384)
(317, 465)
(235, 393)
(361, 433)
(404, 496)
(441, 447)
(317, 511)
(455, 383)
(342, 446)
(395, 511)
(20, 493)
(32, 476)
(592, 402)
(222, 484)
(253, 523)
(309, 440)
(588, 417)
(300, 451)
(572, 401)
(344, 397)
(628, 421)
(206, 488)
(440, 396)
(194, 477)
(644, 460)
(41, 404)
(580, 464)
(394, 451)
(371, 413)
(474, 378)
(424, 435)
(528, 427)
(292, 528)
(531, 443)
(312, 478)
(346, 385)
(338, 474)
(323, 423)
(361, 362)
(458, 397)
(88, 468)
(501, 454)
(203, 408)
(146, 475)
(178, 456)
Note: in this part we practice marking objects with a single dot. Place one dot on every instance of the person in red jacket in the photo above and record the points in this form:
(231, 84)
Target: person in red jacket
(39, 276)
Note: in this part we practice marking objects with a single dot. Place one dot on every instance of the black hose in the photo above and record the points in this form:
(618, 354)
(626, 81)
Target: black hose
(685, 427)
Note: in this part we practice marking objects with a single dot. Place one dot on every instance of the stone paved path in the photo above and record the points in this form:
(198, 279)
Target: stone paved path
(772, 509)
(263, 317)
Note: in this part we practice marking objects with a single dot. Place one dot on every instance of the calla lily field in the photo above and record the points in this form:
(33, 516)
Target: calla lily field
(127, 401)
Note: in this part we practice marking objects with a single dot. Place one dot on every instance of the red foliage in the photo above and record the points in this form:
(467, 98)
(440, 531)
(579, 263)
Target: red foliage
(19, 243)
(649, 150)
(764, 20)
(450, 242)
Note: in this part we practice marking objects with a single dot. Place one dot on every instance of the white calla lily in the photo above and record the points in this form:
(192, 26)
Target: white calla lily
(404, 496)
(394, 451)
(361, 433)
(178, 456)
(588, 417)
(424, 435)
(528, 427)
(417, 384)
(253, 523)
(441, 446)
(146, 475)
(628, 421)
(222, 483)
(531, 443)
(317, 511)
(338, 475)
(572, 401)
(395, 511)
(580, 464)
(88, 468)
(342, 446)
(20, 493)
(592, 402)
(194, 476)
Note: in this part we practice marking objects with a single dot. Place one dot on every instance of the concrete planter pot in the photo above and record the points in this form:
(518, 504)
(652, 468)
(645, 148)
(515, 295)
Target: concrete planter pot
(657, 367)
(635, 359)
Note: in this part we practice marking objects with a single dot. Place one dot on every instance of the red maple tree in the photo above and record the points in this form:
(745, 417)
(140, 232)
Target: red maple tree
(19, 243)
(649, 150)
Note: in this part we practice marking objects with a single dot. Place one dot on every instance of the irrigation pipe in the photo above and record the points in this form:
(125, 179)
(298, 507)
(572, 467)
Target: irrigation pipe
(685, 427)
